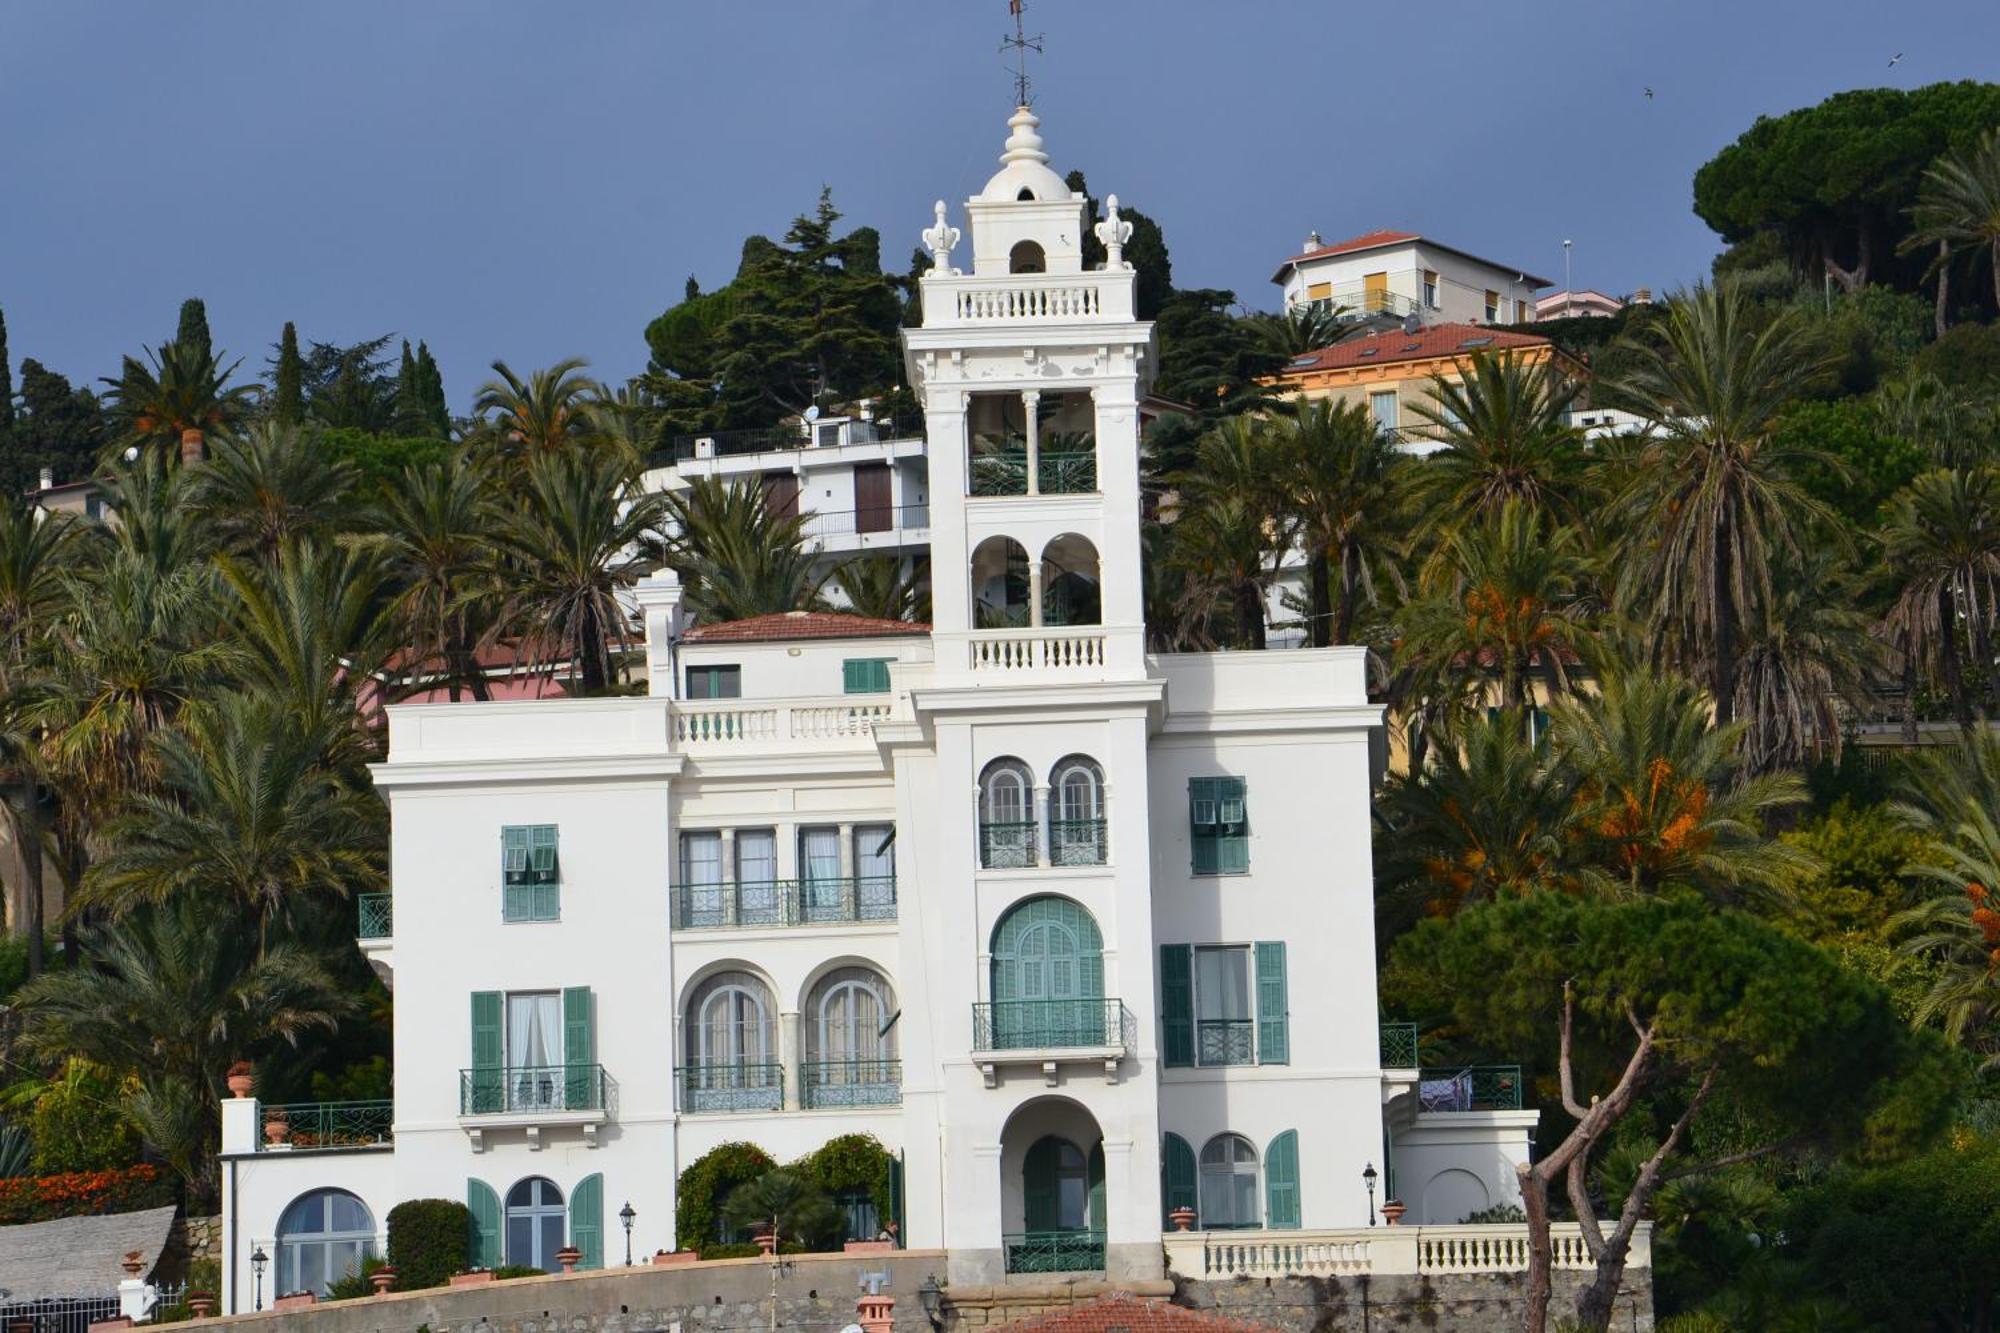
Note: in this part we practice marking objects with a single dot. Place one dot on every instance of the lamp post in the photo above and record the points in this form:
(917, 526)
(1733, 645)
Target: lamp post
(1569, 292)
(1368, 1176)
(258, 1259)
(625, 1215)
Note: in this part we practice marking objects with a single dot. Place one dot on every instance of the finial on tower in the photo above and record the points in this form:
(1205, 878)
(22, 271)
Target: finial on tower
(1020, 44)
(1113, 232)
(939, 238)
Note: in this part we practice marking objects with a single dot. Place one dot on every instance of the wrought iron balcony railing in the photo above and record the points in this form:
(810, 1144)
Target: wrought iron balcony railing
(850, 1083)
(721, 1087)
(1007, 846)
(1076, 842)
(887, 518)
(1067, 472)
(1399, 1045)
(1033, 1025)
(1054, 1251)
(785, 902)
(334, 1124)
(1473, 1088)
(525, 1089)
(1225, 1041)
(374, 917)
(999, 474)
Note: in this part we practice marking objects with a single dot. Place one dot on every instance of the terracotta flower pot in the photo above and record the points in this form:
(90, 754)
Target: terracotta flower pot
(767, 1242)
(1392, 1213)
(201, 1304)
(569, 1257)
(276, 1129)
(240, 1078)
(382, 1279)
(1182, 1218)
(297, 1300)
(133, 1263)
(472, 1279)
(675, 1258)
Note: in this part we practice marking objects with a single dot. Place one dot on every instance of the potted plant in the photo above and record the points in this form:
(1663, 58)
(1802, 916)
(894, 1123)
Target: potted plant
(133, 1263)
(383, 1278)
(240, 1078)
(767, 1241)
(276, 1128)
(295, 1300)
(1182, 1218)
(472, 1277)
(1392, 1212)
(569, 1257)
(201, 1304)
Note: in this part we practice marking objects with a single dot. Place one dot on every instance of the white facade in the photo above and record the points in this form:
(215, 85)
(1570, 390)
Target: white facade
(1401, 274)
(1081, 933)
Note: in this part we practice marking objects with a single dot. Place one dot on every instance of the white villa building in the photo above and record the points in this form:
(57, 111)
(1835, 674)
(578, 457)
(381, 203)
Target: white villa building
(1083, 934)
(1403, 274)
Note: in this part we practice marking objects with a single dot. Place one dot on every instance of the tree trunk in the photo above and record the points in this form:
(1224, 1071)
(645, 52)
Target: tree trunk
(1249, 600)
(1954, 671)
(1944, 287)
(1541, 1250)
(1909, 692)
(1979, 619)
(1320, 583)
(1725, 633)
(590, 648)
(28, 828)
(1350, 580)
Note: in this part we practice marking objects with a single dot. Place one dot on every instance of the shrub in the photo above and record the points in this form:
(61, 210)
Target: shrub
(848, 1164)
(77, 1122)
(82, 1194)
(711, 1178)
(505, 1271)
(429, 1240)
(355, 1285)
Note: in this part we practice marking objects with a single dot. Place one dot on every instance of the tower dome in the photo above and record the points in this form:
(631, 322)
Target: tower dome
(1024, 167)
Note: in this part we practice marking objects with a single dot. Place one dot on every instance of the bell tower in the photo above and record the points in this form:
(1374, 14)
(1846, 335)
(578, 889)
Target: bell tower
(1031, 367)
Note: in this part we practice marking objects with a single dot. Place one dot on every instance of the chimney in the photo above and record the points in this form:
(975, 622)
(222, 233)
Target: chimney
(1313, 242)
(48, 478)
(875, 1309)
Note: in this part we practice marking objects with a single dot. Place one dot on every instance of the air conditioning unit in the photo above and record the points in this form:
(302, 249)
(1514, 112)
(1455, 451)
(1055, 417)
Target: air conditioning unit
(704, 447)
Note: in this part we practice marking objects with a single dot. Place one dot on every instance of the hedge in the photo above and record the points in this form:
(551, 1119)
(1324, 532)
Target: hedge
(429, 1240)
(82, 1194)
(852, 1162)
(705, 1184)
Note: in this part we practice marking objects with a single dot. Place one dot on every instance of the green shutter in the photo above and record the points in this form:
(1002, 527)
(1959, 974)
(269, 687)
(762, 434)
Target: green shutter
(517, 902)
(1177, 1004)
(865, 675)
(485, 1239)
(1096, 1178)
(1201, 824)
(579, 1050)
(1038, 1186)
(486, 1053)
(586, 1219)
(1177, 1175)
(1274, 1038)
(514, 854)
(531, 873)
(1219, 826)
(1281, 1182)
(543, 865)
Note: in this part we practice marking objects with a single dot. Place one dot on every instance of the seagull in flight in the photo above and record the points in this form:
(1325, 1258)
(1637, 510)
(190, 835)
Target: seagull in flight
(1649, 94)
(1894, 58)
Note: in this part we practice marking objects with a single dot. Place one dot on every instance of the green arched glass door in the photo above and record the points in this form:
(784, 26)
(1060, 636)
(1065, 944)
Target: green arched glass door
(1048, 977)
(1062, 1205)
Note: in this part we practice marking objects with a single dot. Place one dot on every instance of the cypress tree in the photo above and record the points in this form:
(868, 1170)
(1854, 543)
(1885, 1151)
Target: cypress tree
(291, 404)
(430, 391)
(6, 384)
(193, 331)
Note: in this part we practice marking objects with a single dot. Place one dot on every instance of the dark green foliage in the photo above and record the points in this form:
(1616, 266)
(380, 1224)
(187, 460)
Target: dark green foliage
(192, 330)
(1211, 359)
(77, 1122)
(1865, 465)
(1966, 357)
(507, 1271)
(289, 400)
(58, 427)
(785, 1202)
(356, 1285)
(378, 460)
(852, 1162)
(349, 386)
(429, 1240)
(1146, 251)
(707, 1181)
(430, 394)
(6, 385)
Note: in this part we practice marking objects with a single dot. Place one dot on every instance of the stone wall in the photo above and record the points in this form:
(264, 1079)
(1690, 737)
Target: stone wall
(982, 1307)
(1454, 1303)
(189, 1241)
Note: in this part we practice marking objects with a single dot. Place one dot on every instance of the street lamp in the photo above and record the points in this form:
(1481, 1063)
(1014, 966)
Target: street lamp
(625, 1215)
(1368, 1175)
(258, 1259)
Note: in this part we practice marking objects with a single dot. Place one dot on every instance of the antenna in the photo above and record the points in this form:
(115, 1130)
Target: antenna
(1020, 44)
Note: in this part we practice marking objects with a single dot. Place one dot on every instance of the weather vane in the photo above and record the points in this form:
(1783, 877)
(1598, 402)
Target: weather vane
(1020, 44)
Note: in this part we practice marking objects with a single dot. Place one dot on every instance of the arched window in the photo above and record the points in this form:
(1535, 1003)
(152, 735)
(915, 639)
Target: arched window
(1076, 813)
(851, 1041)
(1006, 815)
(1000, 595)
(1027, 257)
(1229, 1182)
(732, 1045)
(1070, 588)
(323, 1237)
(535, 1218)
(1048, 978)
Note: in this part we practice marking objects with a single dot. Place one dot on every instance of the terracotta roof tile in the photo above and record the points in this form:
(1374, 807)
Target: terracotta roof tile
(1366, 241)
(1434, 341)
(783, 625)
(1122, 1312)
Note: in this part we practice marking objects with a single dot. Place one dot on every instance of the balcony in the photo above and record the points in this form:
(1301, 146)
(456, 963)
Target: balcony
(1473, 1088)
(1225, 1041)
(1058, 472)
(1040, 650)
(1103, 296)
(1054, 1251)
(1003, 473)
(720, 1089)
(1067, 473)
(374, 917)
(835, 722)
(831, 528)
(533, 1097)
(785, 902)
(1399, 1045)
(1048, 1033)
(326, 1126)
(827, 1083)
(1007, 846)
(1402, 1251)
(1076, 842)
(827, 432)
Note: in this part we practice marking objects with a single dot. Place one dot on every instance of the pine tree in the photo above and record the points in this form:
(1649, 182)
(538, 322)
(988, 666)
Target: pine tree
(6, 385)
(692, 290)
(430, 394)
(291, 395)
(193, 331)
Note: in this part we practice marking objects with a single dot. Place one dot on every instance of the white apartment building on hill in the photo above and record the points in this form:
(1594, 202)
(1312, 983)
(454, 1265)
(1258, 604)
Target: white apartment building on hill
(1084, 934)
(1402, 273)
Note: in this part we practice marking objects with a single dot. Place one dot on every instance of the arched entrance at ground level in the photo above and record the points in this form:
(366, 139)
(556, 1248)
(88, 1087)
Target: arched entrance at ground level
(1052, 1192)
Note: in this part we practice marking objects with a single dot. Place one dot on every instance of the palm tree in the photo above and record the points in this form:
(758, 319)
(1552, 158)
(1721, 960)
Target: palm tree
(184, 396)
(737, 556)
(1504, 426)
(1946, 423)
(269, 487)
(1958, 208)
(1943, 541)
(1951, 796)
(1227, 534)
(1809, 650)
(549, 411)
(786, 1202)
(1663, 800)
(1336, 476)
(156, 521)
(1299, 331)
(887, 587)
(174, 994)
(1713, 498)
(573, 543)
(438, 529)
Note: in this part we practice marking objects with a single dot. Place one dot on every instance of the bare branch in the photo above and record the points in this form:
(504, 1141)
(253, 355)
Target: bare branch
(1586, 1210)
(1565, 1069)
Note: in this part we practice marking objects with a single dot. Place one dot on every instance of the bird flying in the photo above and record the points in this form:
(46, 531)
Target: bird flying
(1894, 58)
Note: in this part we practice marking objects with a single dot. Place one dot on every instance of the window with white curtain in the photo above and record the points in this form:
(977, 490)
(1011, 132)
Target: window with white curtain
(703, 902)
(535, 1049)
(848, 1011)
(1225, 1030)
(1006, 815)
(1229, 1182)
(819, 868)
(732, 1021)
(875, 851)
(758, 896)
(1076, 827)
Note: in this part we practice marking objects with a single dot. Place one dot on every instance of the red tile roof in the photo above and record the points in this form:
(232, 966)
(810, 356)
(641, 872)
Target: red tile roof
(1373, 240)
(1122, 1312)
(782, 625)
(1436, 340)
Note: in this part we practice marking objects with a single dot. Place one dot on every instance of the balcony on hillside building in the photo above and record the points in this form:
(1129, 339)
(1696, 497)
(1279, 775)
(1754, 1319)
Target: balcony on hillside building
(1048, 1034)
(749, 905)
(721, 1088)
(534, 1098)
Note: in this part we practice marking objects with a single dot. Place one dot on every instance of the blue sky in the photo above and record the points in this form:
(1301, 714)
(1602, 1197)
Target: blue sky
(529, 181)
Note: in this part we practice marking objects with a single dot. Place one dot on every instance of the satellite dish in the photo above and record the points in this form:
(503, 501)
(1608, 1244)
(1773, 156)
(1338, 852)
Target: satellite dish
(812, 413)
(1412, 324)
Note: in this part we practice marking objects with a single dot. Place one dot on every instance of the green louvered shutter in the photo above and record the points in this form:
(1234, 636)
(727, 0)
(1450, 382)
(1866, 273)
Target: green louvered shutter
(546, 869)
(1038, 1186)
(586, 1220)
(483, 1096)
(579, 1049)
(485, 1239)
(1177, 1004)
(1281, 1182)
(517, 893)
(1274, 1037)
(1202, 836)
(1096, 1168)
(1177, 1175)
(1233, 826)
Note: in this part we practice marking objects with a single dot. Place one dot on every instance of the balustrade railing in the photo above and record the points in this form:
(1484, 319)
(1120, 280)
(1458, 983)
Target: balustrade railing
(999, 474)
(1054, 1251)
(1472, 1088)
(375, 916)
(848, 522)
(1021, 1025)
(726, 723)
(1405, 1250)
(1399, 1045)
(714, 1088)
(1082, 301)
(331, 1124)
(850, 1083)
(785, 902)
(1076, 842)
(1036, 649)
(523, 1089)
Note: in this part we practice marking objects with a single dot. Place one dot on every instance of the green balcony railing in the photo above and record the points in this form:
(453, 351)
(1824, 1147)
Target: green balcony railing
(1225, 1041)
(999, 474)
(1019, 1025)
(1076, 842)
(525, 1089)
(850, 1083)
(710, 1088)
(785, 902)
(374, 919)
(1472, 1088)
(1066, 473)
(1054, 1251)
(333, 1124)
(1007, 846)
(1399, 1045)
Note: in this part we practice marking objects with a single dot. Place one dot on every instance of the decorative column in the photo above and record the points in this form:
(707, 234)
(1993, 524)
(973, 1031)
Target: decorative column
(847, 892)
(732, 892)
(1041, 817)
(1034, 587)
(1031, 400)
(790, 1056)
